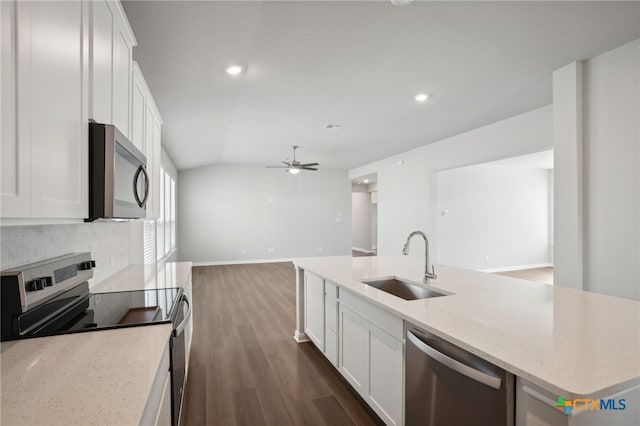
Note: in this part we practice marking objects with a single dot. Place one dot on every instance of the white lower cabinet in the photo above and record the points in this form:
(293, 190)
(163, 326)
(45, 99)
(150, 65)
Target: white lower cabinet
(372, 362)
(386, 357)
(314, 309)
(157, 410)
(188, 330)
(364, 342)
(537, 407)
(354, 349)
(163, 417)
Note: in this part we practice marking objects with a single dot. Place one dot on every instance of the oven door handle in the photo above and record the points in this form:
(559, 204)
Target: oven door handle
(180, 328)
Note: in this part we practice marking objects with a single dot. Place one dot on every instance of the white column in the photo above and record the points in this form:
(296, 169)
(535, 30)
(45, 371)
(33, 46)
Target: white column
(299, 335)
(568, 190)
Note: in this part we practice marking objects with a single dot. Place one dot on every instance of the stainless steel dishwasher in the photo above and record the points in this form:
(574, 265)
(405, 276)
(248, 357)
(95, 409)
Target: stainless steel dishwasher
(447, 386)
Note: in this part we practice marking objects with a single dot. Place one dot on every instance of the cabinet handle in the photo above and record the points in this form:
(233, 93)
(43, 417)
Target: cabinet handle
(141, 169)
(472, 373)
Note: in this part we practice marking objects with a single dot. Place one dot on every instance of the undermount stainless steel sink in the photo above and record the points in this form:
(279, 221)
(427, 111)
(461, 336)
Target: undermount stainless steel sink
(402, 288)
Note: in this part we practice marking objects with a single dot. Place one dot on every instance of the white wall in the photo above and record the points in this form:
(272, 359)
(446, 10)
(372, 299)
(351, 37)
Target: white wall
(611, 146)
(361, 217)
(496, 217)
(225, 209)
(114, 245)
(407, 193)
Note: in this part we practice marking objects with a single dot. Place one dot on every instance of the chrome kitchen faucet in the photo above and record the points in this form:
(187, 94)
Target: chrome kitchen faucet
(405, 250)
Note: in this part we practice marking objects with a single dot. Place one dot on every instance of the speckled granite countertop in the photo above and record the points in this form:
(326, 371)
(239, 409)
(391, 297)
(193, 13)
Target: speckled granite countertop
(574, 343)
(102, 377)
(94, 378)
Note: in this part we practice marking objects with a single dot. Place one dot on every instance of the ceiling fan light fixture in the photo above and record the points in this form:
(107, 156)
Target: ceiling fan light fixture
(294, 170)
(421, 97)
(234, 69)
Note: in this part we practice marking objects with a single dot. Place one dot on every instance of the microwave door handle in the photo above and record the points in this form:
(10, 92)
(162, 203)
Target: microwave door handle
(141, 169)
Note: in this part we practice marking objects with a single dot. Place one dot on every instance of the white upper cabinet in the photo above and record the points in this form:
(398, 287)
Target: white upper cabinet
(153, 152)
(139, 93)
(146, 126)
(63, 63)
(15, 167)
(103, 22)
(45, 150)
(123, 42)
(110, 64)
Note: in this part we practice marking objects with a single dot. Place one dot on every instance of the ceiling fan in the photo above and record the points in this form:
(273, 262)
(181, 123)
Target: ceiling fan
(294, 166)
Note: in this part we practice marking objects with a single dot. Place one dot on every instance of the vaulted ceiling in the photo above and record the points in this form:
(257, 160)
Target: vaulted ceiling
(357, 64)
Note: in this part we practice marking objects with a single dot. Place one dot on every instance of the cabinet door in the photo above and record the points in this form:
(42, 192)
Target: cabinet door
(386, 357)
(153, 128)
(15, 159)
(122, 57)
(163, 417)
(138, 110)
(101, 60)
(52, 112)
(354, 349)
(314, 309)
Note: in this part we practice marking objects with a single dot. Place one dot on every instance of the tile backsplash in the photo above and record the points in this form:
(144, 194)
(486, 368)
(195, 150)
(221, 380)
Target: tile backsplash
(110, 243)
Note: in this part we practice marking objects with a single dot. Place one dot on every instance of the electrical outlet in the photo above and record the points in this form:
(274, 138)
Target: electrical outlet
(534, 253)
(486, 258)
(319, 248)
(270, 250)
(243, 251)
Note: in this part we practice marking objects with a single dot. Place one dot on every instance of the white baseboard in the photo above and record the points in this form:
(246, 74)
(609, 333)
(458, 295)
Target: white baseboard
(363, 250)
(242, 262)
(517, 267)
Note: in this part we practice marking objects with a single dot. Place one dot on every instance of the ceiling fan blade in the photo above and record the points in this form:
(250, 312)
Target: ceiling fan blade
(309, 164)
(286, 163)
(277, 167)
(308, 168)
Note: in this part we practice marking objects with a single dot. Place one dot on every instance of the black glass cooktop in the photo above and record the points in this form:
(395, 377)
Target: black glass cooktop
(99, 311)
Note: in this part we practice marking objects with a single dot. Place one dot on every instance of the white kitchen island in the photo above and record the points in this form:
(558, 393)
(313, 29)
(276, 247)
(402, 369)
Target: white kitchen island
(556, 341)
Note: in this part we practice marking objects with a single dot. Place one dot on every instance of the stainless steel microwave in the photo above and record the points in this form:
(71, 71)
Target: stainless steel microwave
(118, 178)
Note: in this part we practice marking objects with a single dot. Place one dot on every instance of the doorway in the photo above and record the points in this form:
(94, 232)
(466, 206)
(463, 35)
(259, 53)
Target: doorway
(498, 217)
(364, 216)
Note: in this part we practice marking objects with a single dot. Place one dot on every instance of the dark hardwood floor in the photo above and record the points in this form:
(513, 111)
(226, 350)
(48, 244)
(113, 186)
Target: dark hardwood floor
(245, 367)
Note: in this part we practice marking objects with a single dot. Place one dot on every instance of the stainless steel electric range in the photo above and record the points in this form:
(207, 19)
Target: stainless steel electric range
(52, 297)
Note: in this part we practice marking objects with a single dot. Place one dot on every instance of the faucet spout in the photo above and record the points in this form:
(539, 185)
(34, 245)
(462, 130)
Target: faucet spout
(428, 275)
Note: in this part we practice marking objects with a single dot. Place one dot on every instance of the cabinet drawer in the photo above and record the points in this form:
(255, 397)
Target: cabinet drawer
(378, 316)
(331, 347)
(331, 289)
(331, 313)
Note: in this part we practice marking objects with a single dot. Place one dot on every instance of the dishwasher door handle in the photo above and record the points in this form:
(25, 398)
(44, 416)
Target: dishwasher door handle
(472, 373)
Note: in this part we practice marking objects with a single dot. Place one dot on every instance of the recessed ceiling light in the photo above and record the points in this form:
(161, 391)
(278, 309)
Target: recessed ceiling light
(421, 97)
(366, 181)
(332, 126)
(234, 69)
(401, 3)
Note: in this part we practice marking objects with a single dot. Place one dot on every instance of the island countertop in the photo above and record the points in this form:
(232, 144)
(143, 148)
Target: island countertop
(574, 343)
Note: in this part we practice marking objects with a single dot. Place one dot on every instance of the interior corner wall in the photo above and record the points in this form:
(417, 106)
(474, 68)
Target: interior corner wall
(494, 217)
(407, 182)
(361, 220)
(611, 172)
(232, 213)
